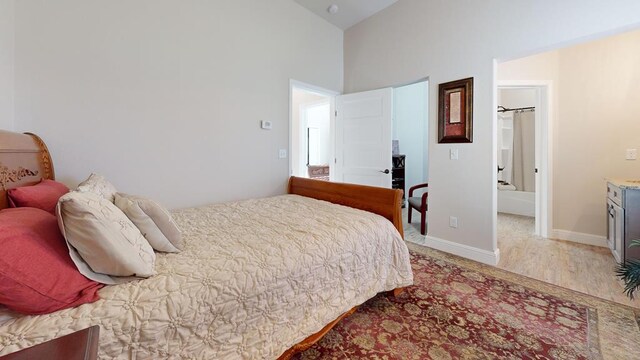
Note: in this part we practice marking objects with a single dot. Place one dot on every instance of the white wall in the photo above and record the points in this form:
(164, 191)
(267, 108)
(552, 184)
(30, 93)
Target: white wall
(410, 115)
(6, 64)
(596, 120)
(450, 40)
(164, 97)
(517, 98)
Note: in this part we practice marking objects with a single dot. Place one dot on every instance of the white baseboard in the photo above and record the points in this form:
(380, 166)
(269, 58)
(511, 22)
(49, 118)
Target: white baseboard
(466, 251)
(580, 238)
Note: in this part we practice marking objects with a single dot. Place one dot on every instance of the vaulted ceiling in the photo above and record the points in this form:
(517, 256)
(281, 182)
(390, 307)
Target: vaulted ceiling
(350, 12)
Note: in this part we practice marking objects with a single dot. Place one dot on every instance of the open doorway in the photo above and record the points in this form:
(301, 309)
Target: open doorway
(524, 155)
(522, 166)
(411, 148)
(312, 129)
(591, 126)
(348, 138)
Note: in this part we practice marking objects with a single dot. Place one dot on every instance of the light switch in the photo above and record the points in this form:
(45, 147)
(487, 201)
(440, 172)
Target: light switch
(453, 154)
(282, 153)
(266, 125)
(632, 154)
(453, 222)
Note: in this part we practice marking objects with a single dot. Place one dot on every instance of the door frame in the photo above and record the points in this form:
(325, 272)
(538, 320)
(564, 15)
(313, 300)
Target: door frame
(544, 149)
(331, 94)
(426, 134)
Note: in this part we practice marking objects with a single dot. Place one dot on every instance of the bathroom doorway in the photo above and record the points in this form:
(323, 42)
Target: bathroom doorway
(522, 154)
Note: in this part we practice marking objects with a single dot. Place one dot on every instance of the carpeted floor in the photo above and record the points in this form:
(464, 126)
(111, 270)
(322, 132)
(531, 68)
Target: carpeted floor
(460, 309)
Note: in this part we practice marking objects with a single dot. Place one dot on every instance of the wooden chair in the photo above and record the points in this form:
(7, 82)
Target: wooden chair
(419, 203)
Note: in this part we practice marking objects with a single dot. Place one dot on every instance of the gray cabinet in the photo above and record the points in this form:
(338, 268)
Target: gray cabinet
(623, 225)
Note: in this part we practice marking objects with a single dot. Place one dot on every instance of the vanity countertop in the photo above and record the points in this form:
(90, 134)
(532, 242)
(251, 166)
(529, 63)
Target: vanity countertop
(625, 183)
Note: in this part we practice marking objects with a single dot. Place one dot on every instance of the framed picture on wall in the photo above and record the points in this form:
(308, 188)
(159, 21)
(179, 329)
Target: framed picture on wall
(455, 111)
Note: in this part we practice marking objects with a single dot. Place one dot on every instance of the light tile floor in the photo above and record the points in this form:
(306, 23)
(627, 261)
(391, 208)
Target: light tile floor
(583, 268)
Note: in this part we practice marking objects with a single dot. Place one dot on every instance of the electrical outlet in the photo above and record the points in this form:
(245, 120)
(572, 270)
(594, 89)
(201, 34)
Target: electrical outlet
(453, 222)
(632, 154)
(282, 153)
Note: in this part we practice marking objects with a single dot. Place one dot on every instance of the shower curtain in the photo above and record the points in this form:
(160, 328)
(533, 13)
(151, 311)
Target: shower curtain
(524, 144)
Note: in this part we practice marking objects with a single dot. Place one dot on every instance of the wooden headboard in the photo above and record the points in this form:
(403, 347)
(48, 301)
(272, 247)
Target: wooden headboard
(381, 201)
(24, 161)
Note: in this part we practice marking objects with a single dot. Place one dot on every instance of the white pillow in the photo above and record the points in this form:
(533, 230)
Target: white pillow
(102, 241)
(97, 184)
(153, 220)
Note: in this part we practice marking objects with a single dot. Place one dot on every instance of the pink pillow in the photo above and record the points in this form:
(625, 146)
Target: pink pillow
(43, 196)
(37, 275)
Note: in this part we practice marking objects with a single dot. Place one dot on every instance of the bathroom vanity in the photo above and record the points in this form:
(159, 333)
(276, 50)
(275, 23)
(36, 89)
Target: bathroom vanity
(623, 212)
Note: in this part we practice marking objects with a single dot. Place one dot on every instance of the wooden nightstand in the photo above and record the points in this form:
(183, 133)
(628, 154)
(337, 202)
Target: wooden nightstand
(80, 345)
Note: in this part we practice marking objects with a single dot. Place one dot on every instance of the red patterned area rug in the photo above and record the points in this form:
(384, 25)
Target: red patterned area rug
(456, 311)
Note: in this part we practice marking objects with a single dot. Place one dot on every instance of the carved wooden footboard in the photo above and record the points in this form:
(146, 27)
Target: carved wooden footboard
(384, 202)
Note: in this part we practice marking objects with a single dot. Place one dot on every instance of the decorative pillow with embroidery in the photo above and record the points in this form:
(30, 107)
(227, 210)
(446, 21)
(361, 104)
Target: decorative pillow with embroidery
(153, 220)
(98, 185)
(103, 242)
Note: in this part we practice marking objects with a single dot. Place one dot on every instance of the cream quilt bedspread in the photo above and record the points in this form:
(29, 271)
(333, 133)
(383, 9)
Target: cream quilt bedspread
(255, 277)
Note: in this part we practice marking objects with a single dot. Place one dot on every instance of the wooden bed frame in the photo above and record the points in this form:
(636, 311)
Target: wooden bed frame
(25, 161)
(384, 202)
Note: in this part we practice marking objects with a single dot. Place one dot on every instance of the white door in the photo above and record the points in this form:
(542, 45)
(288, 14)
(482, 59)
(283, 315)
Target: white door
(363, 138)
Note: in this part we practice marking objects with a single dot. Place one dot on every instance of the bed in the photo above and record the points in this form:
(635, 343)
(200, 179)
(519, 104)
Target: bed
(257, 279)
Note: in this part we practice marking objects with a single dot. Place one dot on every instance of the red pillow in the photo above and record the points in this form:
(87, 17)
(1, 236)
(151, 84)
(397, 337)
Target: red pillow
(37, 275)
(43, 196)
